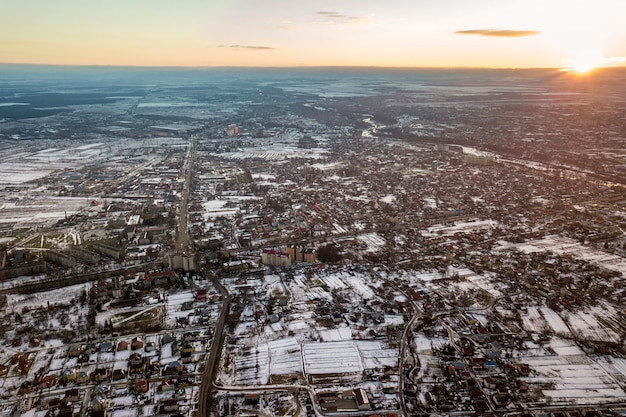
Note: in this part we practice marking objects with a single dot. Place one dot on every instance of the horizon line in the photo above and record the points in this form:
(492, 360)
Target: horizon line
(208, 67)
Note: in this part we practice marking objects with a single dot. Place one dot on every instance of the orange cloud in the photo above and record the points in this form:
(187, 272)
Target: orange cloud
(502, 33)
(248, 47)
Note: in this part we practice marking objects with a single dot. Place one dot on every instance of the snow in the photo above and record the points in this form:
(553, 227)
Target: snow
(562, 374)
(563, 245)
(376, 356)
(614, 366)
(585, 325)
(389, 199)
(555, 322)
(276, 153)
(41, 210)
(331, 358)
(374, 242)
(41, 299)
(253, 368)
(285, 357)
(217, 208)
(534, 322)
(335, 335)
(342, 280)
(430, 203)
(460, 227)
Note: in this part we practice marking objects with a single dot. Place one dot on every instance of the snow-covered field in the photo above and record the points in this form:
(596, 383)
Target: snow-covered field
(563, 245)
(277, 153)
(219, 208)
(571, 377)
(35, 211)
(459, 227)
(332, 358)
(23, 166)
(374, 242)
(297, 346)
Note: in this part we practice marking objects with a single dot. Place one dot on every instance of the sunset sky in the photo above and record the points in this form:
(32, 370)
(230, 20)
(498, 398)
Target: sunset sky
(407, 33)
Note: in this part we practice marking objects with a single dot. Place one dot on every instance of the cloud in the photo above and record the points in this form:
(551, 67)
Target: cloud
(502, 33)
(248, 47)
(337, 18)
(615, 60)
(286, 25)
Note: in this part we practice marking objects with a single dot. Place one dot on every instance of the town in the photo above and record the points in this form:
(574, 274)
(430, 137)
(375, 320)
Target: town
(380, 244)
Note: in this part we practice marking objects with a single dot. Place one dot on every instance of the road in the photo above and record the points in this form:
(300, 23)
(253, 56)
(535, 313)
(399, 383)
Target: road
(408, 332)
(182, 231)
(212, 363)
(47, 283)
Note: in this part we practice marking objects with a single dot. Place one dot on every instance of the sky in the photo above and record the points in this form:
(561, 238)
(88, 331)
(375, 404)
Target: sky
(280, 33)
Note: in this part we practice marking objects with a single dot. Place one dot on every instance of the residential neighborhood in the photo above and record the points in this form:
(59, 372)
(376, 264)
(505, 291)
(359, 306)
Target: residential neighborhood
(289, 247)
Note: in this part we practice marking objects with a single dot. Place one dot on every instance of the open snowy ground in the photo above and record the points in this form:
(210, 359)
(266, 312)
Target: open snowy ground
(563, 245)
(42, 210)
(570, 376)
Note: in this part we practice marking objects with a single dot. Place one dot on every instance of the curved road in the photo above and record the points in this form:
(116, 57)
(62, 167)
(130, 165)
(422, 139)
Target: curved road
(212, 363)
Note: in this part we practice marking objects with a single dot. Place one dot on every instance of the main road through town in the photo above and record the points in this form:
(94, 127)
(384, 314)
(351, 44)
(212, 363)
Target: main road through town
(183, 247)
(182, 230)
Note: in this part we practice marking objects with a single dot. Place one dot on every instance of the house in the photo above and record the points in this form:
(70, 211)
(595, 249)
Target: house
(273, 318)
(90, 350)
(167, 385)
(47, 381)
(72, 395)
(168, 405)
(69, 375)
(122, 345)
(99, 402)
(24, 404)
(187, 350)
(172, 368)
(136, 343)
(82, 377)
(141, 386)
(135, 360)
(101, 374)
(152, 369)
(362, 401)
(119, 374)
(337, 317)
(24, 363)
(201, 295)
(74, 351)
(106, 347)
(25, 388)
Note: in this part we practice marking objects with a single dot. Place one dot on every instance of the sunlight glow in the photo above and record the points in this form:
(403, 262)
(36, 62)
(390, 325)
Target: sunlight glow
(586, 64)
(583, 62)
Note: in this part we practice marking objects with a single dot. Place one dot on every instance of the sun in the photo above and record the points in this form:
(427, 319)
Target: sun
(584, 63)
(584, 67)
